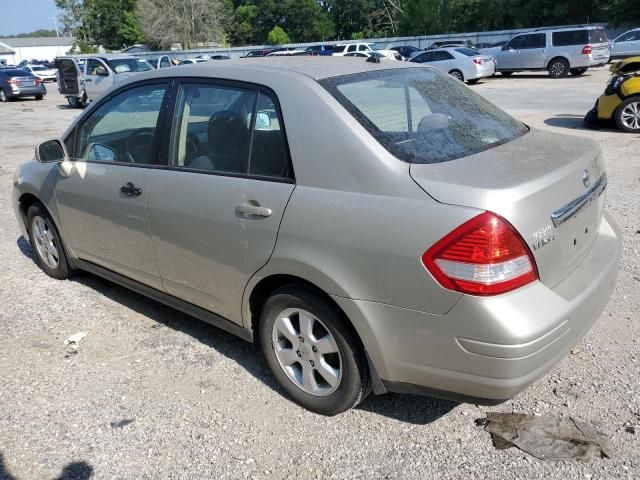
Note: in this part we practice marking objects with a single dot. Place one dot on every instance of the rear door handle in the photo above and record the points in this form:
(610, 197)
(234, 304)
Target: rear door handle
(249, 210)
(130, 190)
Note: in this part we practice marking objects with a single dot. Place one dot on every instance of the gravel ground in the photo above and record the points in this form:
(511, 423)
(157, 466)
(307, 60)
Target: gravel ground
(152, 393)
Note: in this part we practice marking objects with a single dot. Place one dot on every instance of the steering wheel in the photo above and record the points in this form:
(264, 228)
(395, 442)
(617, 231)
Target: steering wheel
(139, 146)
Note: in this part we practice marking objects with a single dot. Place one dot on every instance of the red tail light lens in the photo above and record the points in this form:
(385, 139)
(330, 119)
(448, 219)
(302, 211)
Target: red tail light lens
(586, 50)
(484, 256)
(13, 81)
(38, 81)
(477, 61)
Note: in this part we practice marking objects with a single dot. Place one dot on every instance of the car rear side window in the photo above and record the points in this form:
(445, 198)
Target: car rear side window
(570, 37)
(423, 116)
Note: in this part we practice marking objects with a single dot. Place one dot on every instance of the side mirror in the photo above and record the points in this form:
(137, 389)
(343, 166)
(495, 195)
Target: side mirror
(51, 151)
(263, 121)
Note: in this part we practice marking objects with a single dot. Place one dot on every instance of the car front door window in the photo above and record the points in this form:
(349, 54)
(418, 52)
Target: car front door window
(123, 128)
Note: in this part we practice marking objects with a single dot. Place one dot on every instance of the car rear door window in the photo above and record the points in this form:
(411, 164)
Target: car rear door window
(212, 128)
(123, 129)
(535, 40)
(570, 37)
(440, 55)
(352, 48)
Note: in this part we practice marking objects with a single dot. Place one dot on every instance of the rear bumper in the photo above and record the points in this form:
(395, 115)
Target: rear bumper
(485, 70)
(488, 348)
(26, 92)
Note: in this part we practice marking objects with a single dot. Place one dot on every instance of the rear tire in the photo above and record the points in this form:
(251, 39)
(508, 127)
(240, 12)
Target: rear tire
(46, 243)
(506, 74)
(323, 367)
(473, 81)
(558, 67)
(3, 96)
(577, 71)
(39, 97)
(457, 74)
(627, 116)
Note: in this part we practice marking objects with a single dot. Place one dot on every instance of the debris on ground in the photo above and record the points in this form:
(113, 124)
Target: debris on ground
(74, 340)
(121, 423)
(630, 428)
(546, 438)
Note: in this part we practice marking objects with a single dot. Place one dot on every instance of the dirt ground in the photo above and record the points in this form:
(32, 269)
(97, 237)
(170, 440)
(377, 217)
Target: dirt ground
(152, 393)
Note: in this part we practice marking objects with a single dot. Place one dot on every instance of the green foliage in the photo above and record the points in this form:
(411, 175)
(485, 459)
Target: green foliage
(41, 32)
(129, 31)
(277, 36)
(357, 35)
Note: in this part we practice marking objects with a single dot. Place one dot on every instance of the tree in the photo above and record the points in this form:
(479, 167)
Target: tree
(105, 21)
(305, 21)
(72, 17)
(277, 36)
(349, 16)
(184, 21)
(244, 20)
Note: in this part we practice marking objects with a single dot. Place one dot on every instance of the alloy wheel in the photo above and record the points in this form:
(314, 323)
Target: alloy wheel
(45, 242)
(457, 75)
(307, 352)
(557, 69)
(630, 116)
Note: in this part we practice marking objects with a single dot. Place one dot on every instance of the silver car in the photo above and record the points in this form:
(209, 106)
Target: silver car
(560, 51)
(434, 245)
(626, 45)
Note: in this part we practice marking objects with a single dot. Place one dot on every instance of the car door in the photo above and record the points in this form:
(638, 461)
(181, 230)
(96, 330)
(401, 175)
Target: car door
(98, 78)
(68, 76)
(214, 214)
(103, 201)
(533, 51)
(508, 58)
(442, 60)
(625, 43)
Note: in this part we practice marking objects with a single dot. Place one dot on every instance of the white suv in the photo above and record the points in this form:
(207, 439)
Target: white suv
(343, 50)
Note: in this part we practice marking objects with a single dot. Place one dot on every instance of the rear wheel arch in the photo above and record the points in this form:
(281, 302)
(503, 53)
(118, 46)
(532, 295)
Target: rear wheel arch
(268, 285)
(557, 58)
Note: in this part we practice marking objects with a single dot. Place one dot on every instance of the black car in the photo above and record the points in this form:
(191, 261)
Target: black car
(17, 83)
(405, 50)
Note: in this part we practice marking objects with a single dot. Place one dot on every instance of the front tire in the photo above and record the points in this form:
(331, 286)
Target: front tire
(312, 352)
(558, 68)
(627, 115)
(45, 240)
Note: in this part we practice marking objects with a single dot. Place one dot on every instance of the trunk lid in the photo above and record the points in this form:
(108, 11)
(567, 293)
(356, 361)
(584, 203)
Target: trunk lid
(548, 186)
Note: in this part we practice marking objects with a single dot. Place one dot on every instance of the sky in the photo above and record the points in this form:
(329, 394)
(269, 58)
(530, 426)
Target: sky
(22, 16)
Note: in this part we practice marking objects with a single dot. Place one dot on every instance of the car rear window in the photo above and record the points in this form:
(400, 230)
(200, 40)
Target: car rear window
(599, 35)
(570, 37)
(421, 115)
(468, 52)
(16, 73)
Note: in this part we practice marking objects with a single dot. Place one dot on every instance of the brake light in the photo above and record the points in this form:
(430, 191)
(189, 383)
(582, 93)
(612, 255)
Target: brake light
(477, 61)
(483, 256)
(586, 50)
(38, 81)
(13, 81)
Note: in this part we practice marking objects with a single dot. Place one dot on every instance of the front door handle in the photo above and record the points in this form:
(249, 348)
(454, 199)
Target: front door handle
(130, 190)
(251, 210)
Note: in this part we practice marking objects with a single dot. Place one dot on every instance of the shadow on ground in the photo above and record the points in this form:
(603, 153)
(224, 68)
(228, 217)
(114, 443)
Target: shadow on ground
(406, 408)
(72, 471)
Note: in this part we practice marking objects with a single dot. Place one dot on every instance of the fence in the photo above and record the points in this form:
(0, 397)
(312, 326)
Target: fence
(420, 42)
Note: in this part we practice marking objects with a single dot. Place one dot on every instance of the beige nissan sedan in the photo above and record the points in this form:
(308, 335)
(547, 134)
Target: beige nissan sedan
(375, 227)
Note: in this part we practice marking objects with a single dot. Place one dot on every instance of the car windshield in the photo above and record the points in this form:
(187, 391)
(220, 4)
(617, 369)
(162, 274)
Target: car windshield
(423, 116)
(126, 65)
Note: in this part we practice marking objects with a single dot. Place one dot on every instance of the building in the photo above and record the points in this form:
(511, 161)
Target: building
(15, 50)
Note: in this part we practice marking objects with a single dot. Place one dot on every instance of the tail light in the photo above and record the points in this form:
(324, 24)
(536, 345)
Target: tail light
(13, 81)
(483, 256)
(38, 81)
(586, 50)
(477, 61)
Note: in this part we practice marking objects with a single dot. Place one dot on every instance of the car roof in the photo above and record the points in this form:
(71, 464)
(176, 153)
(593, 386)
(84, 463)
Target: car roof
(317, 68)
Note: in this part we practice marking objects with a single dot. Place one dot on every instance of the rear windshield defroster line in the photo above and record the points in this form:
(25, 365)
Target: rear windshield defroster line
(421, 115)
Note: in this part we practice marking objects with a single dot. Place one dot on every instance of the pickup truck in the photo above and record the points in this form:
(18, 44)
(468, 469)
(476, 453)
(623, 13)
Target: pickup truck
(82, 79)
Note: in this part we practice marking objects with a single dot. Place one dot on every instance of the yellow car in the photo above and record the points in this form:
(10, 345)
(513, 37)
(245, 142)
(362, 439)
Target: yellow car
(620, 101)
